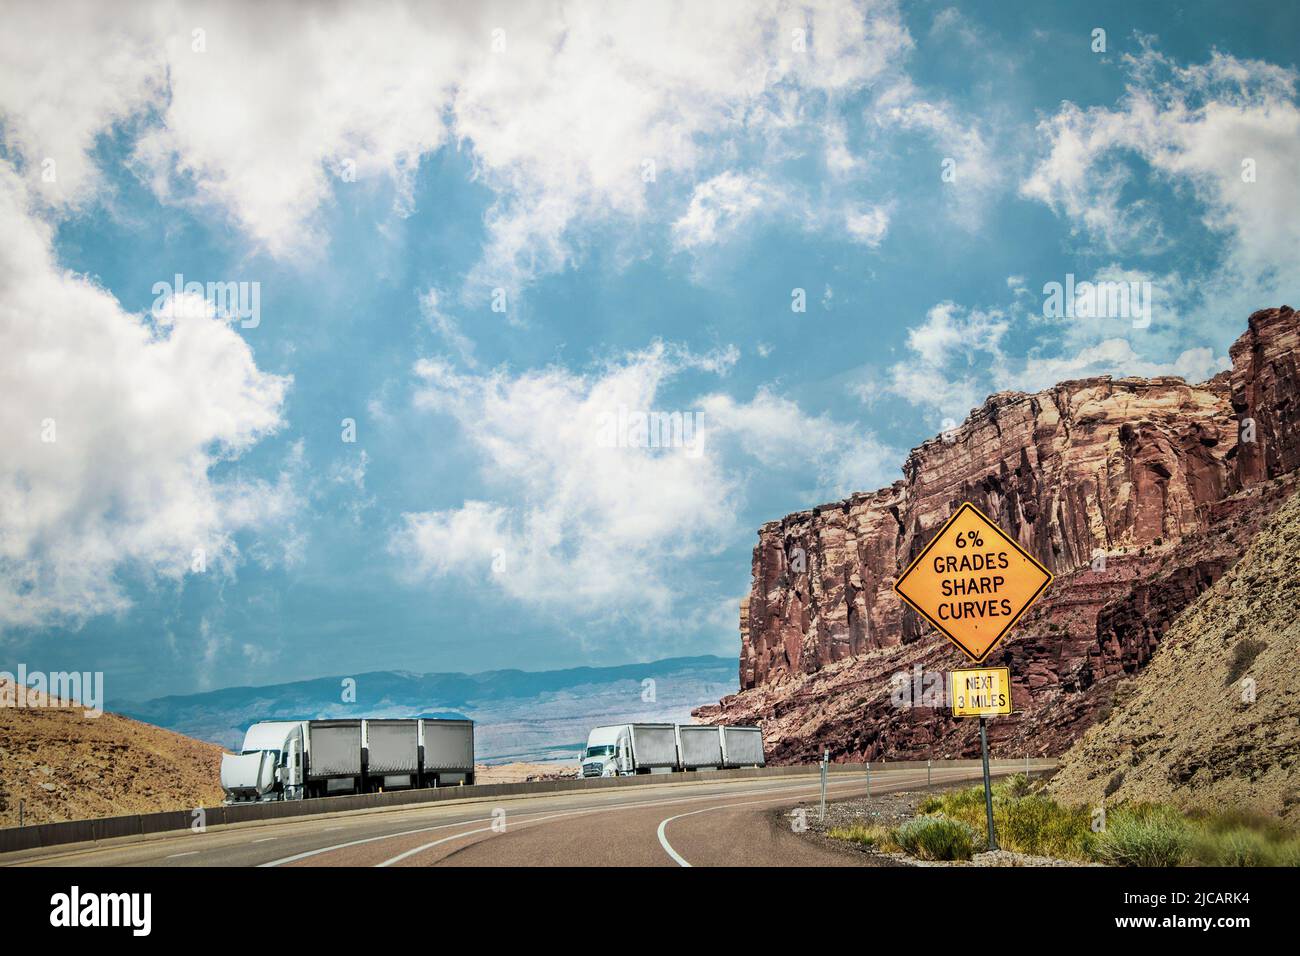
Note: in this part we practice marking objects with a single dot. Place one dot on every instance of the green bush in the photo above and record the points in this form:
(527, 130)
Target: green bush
(1070, 837)
(1224, 820)
(1026, 822)
(1145, 835)
(1014, 787)
(936, 838)
(1239, 847)
(1020, 823)
(1039, 825)
(867, 835)
(1264, 843)
(930, 805)
(966, 804)
(1288, 853)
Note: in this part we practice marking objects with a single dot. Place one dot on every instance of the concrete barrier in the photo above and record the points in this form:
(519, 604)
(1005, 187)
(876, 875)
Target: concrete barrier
(142, 824)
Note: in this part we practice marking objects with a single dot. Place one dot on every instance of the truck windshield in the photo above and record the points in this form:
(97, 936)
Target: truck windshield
(605, 751)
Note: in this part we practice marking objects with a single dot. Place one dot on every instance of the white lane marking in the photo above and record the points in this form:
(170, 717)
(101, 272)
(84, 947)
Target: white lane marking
(461, 823)
(668, 847)
(351, 843)
(682, 861)
(264, 840)
(785, 791)
(456, 836)
(190, 853)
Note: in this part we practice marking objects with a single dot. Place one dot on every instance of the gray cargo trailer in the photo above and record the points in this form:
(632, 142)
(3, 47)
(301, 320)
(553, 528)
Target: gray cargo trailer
(392, 753)
(742, 747)
(654, 747)
(334, 756)
(447, 752)
(701, 747)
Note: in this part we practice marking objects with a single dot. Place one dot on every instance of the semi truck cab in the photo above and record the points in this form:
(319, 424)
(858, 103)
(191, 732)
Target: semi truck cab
(268, 767)
(617, 750)
(607, 753)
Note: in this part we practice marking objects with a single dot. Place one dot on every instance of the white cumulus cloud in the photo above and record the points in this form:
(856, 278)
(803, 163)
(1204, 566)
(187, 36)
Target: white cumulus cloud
(114, 426)
(571, 520)
(720, 206)
(1226, 130)
(867, 225)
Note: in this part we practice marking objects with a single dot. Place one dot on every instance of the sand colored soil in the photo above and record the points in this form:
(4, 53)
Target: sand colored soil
(64, 765)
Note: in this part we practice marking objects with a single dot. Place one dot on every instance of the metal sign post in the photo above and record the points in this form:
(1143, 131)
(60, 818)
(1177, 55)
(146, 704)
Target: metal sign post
(826, 756)
(988, 787)
(982, 692)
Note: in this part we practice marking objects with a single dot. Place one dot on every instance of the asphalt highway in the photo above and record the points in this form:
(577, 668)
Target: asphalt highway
(695, 822)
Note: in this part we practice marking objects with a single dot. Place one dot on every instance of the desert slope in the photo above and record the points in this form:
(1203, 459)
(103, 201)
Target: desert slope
(1185, 729)
(66, 766)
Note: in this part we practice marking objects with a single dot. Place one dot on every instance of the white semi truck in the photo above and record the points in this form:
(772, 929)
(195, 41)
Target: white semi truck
(622, 749)
(294, 759)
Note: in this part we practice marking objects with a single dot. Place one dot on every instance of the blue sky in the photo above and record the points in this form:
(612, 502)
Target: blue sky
(644, 196)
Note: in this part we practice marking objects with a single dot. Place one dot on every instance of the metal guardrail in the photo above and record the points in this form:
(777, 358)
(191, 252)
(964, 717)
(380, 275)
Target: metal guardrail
(141, 825)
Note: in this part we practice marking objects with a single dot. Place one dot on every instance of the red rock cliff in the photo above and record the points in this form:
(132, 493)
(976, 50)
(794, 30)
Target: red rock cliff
(1148, 472)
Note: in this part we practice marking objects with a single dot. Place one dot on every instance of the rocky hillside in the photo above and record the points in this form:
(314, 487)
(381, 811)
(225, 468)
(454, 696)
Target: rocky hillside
(1211, 721)
(1137, 493)
(66, 766)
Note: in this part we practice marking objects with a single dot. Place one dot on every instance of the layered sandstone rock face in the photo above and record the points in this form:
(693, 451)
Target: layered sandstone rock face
(1136, 493)
(1266, 392)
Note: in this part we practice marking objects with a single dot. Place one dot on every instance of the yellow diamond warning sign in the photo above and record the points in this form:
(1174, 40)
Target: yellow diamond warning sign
(972, 582)
(980, 693)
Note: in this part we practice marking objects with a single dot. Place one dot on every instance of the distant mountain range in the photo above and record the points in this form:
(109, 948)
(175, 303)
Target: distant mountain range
(520, 715)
